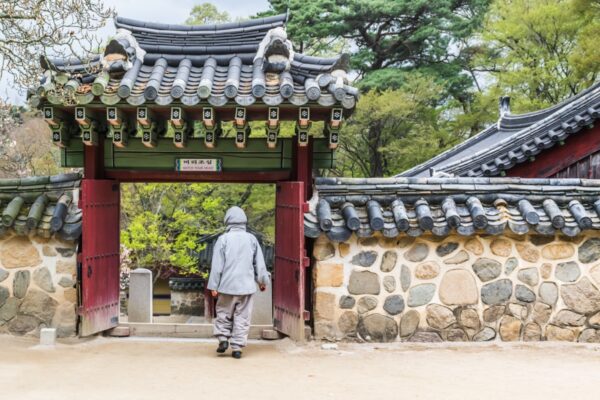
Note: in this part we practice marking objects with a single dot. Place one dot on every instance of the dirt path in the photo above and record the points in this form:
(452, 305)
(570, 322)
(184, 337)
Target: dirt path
(177, 369)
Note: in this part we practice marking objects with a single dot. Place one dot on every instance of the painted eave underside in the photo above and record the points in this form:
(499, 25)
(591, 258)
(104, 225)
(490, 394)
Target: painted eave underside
(514, 139)
(445, 206)
(166, 64)
(41, 205)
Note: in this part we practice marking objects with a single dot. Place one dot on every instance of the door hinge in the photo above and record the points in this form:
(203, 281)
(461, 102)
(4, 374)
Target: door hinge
(306, 315)
(305, 262)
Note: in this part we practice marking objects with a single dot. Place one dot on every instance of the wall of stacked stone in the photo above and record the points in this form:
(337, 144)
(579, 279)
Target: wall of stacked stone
(37, 285)
(478, 288)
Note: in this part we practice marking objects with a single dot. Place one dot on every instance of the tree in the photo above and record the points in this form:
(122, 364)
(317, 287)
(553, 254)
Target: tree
(33, 28)
(207, 13)
(540, 51)
(393, 130)
(162, 223)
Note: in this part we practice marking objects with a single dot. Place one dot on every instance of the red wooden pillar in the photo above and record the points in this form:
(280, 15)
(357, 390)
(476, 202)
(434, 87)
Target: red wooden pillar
(302, 166)
(93, 161)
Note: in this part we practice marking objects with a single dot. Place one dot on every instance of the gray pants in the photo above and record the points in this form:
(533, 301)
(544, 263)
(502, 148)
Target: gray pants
(233, 319)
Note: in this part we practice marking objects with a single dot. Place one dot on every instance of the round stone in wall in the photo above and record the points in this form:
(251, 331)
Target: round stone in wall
(459, 258)
(501, 247)
(363, 282)
(19, 252)
(510, 328)
(568, 318)
(485, 335)
(347, 323)
(582, 297)
(417, 253)
(487, 269)
(364, 258)
(366, 304)
(9, 310)
(541, 313)
(469, 319)
(389, 283)
(427, 270)
(323, 251)
(474, 246)
(21, 283)
(405, 277)
(532, 332)
(594, 321)
(524, 294)
(560, 334)
(589, 251)
(43, 279)
(388, 261)
(496, 292)
(458, 287)
(567, 271)
(589, 336)
(377, 328)
(493, 313)
(409, 323)
(456, 335)
(529, 276)
(394, 304)
(347, 302)
(510, 265)
(439, 317)
(548, 292)
(558, 251)
(39, 305)
(4, 295)
(528, 252)
(421, 294)
(446, 248)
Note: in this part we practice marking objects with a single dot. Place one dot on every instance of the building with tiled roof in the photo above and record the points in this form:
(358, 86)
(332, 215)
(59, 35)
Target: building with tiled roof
(559, 141)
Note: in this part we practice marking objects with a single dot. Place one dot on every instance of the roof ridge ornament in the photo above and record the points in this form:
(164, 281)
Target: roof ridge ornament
(276, 50)
(121, 52)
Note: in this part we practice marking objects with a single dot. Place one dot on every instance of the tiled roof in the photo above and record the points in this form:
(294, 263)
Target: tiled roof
(515, 138)
(241, 63)
(443, 206)
(41, 205)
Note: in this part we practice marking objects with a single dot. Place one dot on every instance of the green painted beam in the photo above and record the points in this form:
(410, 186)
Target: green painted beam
(254, 157)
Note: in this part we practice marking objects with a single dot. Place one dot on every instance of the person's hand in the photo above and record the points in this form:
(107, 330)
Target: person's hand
(262, 287)
(214, 293)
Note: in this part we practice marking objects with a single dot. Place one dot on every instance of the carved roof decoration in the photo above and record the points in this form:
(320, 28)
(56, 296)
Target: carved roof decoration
(239, 63)
(514, 139)
(444, 206)
(41, 205)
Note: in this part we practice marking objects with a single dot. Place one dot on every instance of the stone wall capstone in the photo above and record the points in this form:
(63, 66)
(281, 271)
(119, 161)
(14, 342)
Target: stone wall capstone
(477, 288)
(37, 285)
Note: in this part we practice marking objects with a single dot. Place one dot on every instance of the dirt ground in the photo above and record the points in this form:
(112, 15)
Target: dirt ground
(136, 369)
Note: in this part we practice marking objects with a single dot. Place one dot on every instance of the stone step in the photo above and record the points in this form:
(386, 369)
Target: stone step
(183, 330)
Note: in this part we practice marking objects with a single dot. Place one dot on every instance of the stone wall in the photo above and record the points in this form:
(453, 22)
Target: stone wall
(37, 285)
(478, 288)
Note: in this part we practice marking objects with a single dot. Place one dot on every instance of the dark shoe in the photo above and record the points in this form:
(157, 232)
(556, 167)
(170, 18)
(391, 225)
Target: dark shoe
(236, 354)
(223, 346)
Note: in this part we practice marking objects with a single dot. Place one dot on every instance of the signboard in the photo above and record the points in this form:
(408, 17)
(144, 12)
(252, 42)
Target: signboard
(198, 164)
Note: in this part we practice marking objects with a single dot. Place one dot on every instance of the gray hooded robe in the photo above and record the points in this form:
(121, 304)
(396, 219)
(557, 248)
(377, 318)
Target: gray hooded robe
(238, 263)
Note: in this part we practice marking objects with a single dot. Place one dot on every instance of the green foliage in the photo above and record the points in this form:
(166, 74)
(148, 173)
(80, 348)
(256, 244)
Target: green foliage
(394, 129)
(161, 223)
(207, 13)
(540, 51)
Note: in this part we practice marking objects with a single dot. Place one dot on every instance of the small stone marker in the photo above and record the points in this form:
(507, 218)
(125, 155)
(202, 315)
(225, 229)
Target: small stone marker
(329, 346)
(270, 334)
(47, 337)
(140, 296)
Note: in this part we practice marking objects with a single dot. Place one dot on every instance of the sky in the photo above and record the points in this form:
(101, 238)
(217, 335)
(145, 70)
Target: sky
(165, 11)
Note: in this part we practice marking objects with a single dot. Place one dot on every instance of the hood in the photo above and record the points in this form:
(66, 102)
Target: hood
(235, 216)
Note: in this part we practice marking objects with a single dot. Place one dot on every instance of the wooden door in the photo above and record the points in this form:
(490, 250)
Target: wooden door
(290, 260)
(99, 268)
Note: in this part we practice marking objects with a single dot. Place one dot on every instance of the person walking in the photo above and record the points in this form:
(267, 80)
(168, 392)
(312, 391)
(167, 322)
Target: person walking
(238, 266)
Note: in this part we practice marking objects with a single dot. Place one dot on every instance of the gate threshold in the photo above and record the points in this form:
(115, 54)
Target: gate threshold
(198, 331)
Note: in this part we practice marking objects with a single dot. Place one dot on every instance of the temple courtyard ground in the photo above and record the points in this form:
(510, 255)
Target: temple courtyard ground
(135, 368)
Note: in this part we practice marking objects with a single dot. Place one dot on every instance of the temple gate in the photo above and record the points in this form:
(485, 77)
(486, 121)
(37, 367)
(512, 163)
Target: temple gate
(171, 103)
